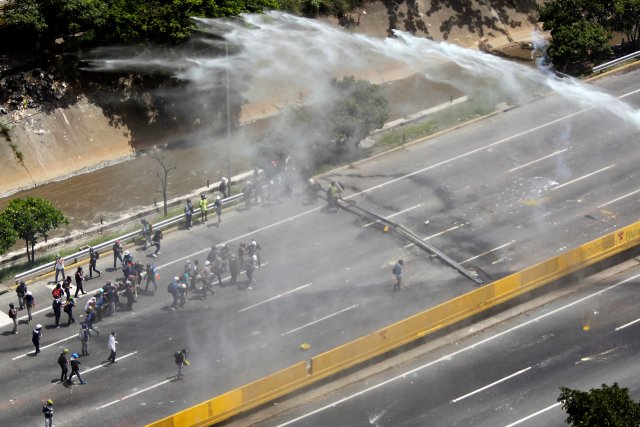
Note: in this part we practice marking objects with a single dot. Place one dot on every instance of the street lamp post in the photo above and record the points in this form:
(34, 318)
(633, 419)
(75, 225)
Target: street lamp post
(226, 51)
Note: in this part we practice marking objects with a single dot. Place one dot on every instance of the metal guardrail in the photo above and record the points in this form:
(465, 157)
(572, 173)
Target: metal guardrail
(85, 252)
(614, 62)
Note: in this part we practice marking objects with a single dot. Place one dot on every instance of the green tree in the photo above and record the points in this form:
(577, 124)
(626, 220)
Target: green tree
(575, 47)
(627, 20)
(31, 218)
(361, 108)
(8, 235)
(605, 406)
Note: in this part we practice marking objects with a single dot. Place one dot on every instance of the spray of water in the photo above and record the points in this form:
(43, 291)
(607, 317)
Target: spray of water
(275, 59)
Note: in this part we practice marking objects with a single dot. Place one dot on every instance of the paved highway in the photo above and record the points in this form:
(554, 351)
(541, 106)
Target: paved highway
(581, 335)
(500, 194)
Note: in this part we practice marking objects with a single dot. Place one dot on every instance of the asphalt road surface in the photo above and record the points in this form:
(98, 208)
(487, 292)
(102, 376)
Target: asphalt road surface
(500, 194)
(581, 335)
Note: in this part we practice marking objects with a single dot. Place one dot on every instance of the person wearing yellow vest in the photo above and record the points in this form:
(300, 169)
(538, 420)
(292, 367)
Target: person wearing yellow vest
(203, 207)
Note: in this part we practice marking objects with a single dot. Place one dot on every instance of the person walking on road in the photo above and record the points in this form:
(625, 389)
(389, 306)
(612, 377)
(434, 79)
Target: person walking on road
(188, 214)
(30, 303)
(117, 254)
(75, 369)
(93, 260)
(203, 207)
(249, 267)
(173, 290)
(47, 410)
(180, 358)
(35, 338)
(146, 233)
(79, 281)
(157, 237)
(64, 363)
(21, 291)
(56, 305)
(85, 336)
(397, 272)
(68, 308)
(112, 347)
(59, 267)
(217, 205)
(234, 270)
(57, 291)
(151, 272)
(66, 286)
(13, 315)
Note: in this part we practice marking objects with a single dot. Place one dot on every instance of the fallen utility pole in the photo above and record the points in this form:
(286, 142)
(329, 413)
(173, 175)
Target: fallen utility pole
(416, 240)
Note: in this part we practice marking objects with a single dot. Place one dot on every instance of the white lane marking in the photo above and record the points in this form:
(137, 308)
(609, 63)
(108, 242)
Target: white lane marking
(619, 198)
(627, 324)
(488, 252)
(273, 298)
(42, 310)
(582, 177)
(395, 214)
(135, 394)
(384, 184)
(103, 364)
(437, 234)
(46, 346)
(448, 357)
(535, 414)
(320, 320)
(508, 377)
(555, 153)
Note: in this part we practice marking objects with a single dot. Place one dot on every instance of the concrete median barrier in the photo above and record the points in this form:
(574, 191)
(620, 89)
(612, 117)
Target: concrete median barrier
(405, 331)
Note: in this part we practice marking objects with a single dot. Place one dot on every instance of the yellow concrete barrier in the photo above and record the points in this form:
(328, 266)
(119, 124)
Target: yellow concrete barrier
(379, 342)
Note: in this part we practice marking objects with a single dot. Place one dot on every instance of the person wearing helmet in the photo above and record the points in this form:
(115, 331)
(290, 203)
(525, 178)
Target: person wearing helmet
(217, 206)
(75, 369)
(203, 207)
(63, 362)
(47, 410)
(93, 260)
(30, 303)
(117, 253)
(35, 338)
(173, 289)
(128, 258)
(13, 315)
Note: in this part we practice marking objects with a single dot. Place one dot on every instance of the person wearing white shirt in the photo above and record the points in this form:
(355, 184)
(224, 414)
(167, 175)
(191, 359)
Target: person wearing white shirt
(112, 347)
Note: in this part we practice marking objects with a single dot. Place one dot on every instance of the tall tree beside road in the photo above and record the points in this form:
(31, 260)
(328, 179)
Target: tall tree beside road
(581, 30)
(605, 406)
(163, 174)
(627, 21)
(8, 235)
(31, 218)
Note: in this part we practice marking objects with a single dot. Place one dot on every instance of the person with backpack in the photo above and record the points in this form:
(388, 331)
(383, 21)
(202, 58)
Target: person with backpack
(21, 291)
(117, 253)
(47, 410)
(66, 286)
(57, 310)
(157, 237)
(397, 272)
(57, 291)
(68, 308)
(151, 272)
(180, 357)
(30, 303)
(174, 291)
(84, 336)
(75, 369)
(13, 315)
(93, 260)
(63, 362)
